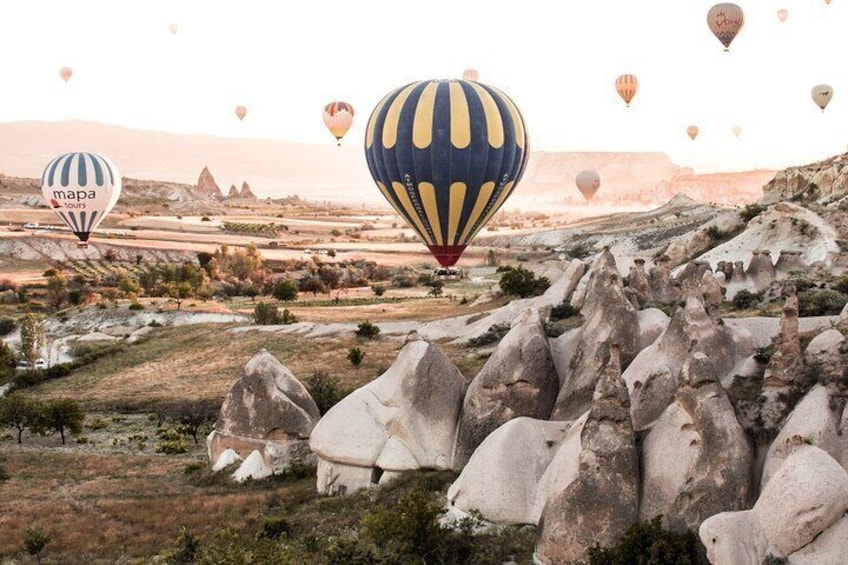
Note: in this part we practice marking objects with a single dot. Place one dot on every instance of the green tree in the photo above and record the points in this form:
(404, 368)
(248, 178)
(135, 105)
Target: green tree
(57, 290)
(266, 314)
(367, 330)
(33, 336)
(35, 540)
(179, 292)
(285, 290)
(436, 289)
(8, 360)
(61, 415)
(355, 356)
(129, 286)
(19, 411)
(523, 283)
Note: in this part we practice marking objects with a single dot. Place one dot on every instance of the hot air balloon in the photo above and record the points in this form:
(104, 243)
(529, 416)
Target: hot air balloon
(173, 28)
(241, 112)
(588, 183)
(736, 130)
(692, 132)
(338, 117)
(725, 21)
(81, 188)
(821, 94)
(446, 154)
(627, 86)
(827, 2)
(782, 14)
(65, 73)
(470, 74)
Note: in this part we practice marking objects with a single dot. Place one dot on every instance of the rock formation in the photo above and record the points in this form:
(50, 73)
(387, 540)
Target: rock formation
(659, 278)
(712, 294)
(405, 419)
(807, 183)
(696, 458)
(233, 193)
(246, 193)
(601, 500)
(761, 270)
(789, 261)
(785, 365)
(519, 379)
(637, 283)
(206, 187)
(267, 410)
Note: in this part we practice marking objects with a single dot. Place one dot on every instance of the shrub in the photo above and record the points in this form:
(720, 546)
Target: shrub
(715, 234)
(579, 250)
(552, 330)
(745, 299)
(355, 356)
(273, 528)
(378, 290)
(821, 303)
(840, 286)
(136, 306)
(750, 212)
(205, 219)
(325, 390)
(35, 540)
(649, 543)
(562, 311)
(7, 326)
(367, 330)
(494, 334)
(523, 283)
(267, 314)
(4, 475)
(285, 290)
(170, 441)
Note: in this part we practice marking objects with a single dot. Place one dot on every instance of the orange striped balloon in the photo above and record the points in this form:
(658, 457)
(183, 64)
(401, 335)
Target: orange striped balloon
(627, 86)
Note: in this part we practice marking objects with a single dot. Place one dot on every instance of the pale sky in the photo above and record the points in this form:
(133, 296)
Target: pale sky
(558, 60)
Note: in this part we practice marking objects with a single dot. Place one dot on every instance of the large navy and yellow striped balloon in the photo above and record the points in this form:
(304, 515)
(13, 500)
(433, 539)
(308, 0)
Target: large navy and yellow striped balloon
(446, 154)
(82, 188)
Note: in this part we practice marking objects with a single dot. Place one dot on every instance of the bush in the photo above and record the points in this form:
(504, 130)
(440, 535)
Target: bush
(267, 314)
(648, 543)
(205, 219)
(171, 441)
(355, 356)
(715, 234)
(136, 306)
(494, 334)
(552, 330)
(745, 299)
(750, 212)
(285, 290)
(523, 283)
(821, 303)
(562, 311)
(367, 330)
(7, 326)
(579, 250)
(840, 286)
(35, 540)
(273, 528)
(378, 290)
(325, 390)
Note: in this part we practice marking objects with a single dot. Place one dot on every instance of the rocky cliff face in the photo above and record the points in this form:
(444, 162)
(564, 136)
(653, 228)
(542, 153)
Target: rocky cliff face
(825, 182)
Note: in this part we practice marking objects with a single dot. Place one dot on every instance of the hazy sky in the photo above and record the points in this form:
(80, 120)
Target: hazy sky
(557, 60)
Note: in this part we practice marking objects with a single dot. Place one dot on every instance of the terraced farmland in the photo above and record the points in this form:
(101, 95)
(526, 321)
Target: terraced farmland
(267, 230)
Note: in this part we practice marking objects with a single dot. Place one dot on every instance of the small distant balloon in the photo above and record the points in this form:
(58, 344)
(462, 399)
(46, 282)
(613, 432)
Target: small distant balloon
(736, 130)
(782, 14)
(470, 74)
(725, 21)
(827, 2)
(173, 28)
(627, 86)
(822, 94)
(338, 117)
(65, 73)
(588, 183)
(241, 112)
(692, 132)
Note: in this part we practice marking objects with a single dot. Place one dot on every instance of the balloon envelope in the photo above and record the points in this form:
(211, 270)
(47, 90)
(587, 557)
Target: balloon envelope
(81, 188)
(446, 154)
(65, 73)
(241, 112)
(821, 95)
(173, 28)
(588, 183)
(627, 86)
(338, 117)
(782, 14)
(692, 132)
(470, 74)
(725, 21)
(736, 130)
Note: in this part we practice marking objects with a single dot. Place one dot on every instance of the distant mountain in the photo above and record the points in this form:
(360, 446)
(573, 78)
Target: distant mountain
(325, 172)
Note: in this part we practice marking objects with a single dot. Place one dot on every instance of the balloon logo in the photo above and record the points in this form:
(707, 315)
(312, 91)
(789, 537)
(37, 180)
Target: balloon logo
(692, 132)
(821, 95)
(241, 112)
(82, 188)
(470, 74)
(173, 28)
(782, 14)
(338, 117)
(725, 21)
(627, 86)
(446, 154)
(66, 73)
(588, 183)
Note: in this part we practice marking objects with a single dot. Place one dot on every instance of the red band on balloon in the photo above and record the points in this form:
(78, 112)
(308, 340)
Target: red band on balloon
(447, 255)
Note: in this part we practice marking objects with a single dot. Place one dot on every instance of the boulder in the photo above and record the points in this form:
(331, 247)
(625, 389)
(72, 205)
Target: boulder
(843, 320)
(827, 549)
(734, 538)
(501, 479)
(712, 294)
(519, 379)
(405, 419)
(227, 458)
(609, 318)
(601, 501)
(253, 467)
(806, 496)
(266, 408)
(813, 421)
(696, 459)
(825, 352)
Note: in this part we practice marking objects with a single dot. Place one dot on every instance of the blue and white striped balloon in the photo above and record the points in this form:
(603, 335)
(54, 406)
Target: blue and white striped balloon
(81, 188)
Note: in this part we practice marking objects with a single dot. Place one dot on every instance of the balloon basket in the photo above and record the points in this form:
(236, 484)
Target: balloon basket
(82, 245)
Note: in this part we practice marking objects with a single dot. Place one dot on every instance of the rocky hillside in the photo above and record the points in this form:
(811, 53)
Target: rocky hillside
(824, 183)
